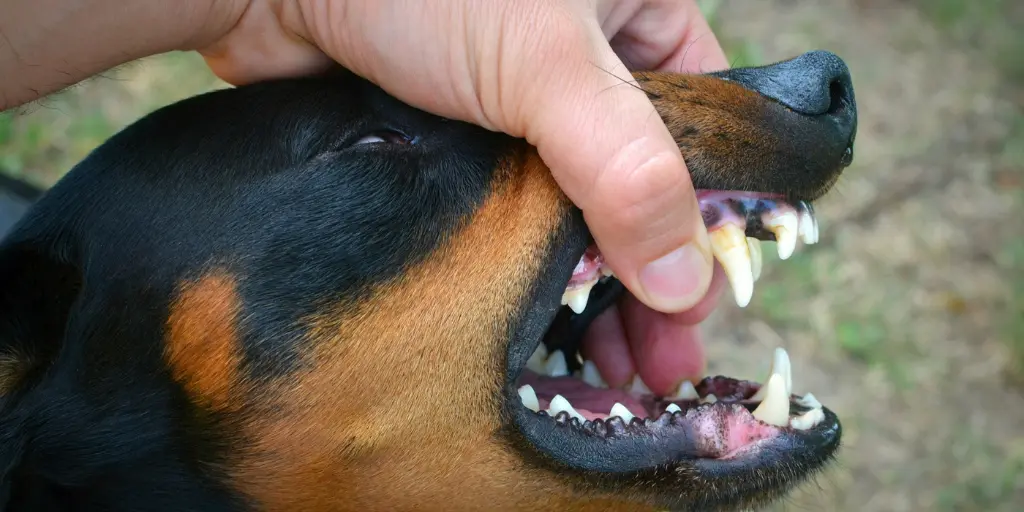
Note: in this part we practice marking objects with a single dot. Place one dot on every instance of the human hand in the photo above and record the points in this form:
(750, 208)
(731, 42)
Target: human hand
(544, 71)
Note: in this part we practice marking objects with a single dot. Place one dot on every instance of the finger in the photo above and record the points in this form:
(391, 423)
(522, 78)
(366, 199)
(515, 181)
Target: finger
(616, 160)
(669, 36)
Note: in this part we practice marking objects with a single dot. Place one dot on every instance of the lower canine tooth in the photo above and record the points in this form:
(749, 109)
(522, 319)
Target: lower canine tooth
(774, 409)
(592, 376)
(780, 365)
(784, 226)
(729, 244)
(560, 404)
(556, 365)
(622, 412)
(807, 231)
(809, 401)
(808, 419)
(529, 398)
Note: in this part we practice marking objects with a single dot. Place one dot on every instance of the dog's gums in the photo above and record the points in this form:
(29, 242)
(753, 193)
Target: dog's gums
(306, 295)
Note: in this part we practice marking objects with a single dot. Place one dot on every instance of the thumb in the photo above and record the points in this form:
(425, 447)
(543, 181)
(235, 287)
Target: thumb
(613, 156)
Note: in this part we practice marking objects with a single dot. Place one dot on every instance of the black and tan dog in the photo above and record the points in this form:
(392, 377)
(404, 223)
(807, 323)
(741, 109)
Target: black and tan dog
(304, 295)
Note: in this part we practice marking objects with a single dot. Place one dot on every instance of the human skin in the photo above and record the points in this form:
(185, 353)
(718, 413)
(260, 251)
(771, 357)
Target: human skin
(553, 72)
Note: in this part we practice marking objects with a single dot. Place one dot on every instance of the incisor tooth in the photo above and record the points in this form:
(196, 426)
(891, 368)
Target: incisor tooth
(672, 408)
(686, 391)
(807, 420)
(592, 376)
(729, 244)
(784, 226)
(560, 404)
(638, 387)
(555, 365)
(756, 260)
(622, 412)
(774, 409)
(780, 365)
(809, 401)
(529, 398)
(577, 298)
(536, 361)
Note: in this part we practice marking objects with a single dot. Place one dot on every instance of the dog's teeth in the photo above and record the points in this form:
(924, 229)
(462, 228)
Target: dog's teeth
(577, 298)
(556, 365)
(756, 260)
(606, 271)
(686, 391)
(710, 399)
(529, 398)
(638, 387)
(806, 229)
(774, 409)
(810, 401)
(784, 226)
(729, 244)
(560, 404)
(672, 408)
(622, 412)
(592, 376)
(782, 367)
(536, 361)
(808, 419)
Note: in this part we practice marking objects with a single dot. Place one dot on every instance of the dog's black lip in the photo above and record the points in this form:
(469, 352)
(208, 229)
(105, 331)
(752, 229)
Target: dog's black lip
(627, 460)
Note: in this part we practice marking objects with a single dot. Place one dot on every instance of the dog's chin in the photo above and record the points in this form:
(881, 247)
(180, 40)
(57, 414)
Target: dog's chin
(718, 442)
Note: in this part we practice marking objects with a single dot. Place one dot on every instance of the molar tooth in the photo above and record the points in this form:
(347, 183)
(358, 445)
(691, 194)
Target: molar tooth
(560, 404)
(756, 257)
(622, 412)
(555, 365)
(774, 409)
(592, 376)
(638, 387)
(710, 399)
(729, 244)
(780, 365)
(529, 398)
(686, 391)
(577, 297)
(807, 420)
(784, 226)
(672, 408)
(536, 361)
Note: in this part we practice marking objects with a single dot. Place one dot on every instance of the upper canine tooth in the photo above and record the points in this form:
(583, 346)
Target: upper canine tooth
(622, 412)
(784, 226)
(536, 361)
(556, 365)
(592, 376)
(780, 365)
(756, 260)
(686, 391)
(560, 404)
(774, 409)
(807, 419)
(729, 244)
(529, 398)
(577, 297)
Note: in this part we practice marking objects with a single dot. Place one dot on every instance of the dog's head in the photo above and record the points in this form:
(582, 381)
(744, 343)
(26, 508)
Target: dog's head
(306, 295)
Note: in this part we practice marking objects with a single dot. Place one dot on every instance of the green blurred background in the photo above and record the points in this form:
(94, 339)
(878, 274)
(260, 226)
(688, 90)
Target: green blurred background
(907, 318)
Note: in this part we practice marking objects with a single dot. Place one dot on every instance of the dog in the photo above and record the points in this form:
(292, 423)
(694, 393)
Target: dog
(304, 294)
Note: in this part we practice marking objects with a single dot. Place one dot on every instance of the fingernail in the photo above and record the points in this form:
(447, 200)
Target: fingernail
(677, 280)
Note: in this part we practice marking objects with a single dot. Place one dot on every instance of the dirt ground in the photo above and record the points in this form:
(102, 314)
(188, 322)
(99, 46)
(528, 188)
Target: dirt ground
(907, 319)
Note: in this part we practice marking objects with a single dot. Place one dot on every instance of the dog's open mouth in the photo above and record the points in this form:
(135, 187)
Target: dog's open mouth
(718, 425)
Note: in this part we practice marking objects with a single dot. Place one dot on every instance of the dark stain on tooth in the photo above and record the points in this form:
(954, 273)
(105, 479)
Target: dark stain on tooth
(711, 215)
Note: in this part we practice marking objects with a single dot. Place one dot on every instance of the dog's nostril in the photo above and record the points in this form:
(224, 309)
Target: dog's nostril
(837, 93)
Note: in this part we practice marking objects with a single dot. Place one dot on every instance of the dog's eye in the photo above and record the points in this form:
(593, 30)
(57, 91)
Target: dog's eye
(386, 137)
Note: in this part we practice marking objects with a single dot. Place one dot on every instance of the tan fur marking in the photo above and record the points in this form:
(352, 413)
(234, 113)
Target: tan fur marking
(202, 347)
